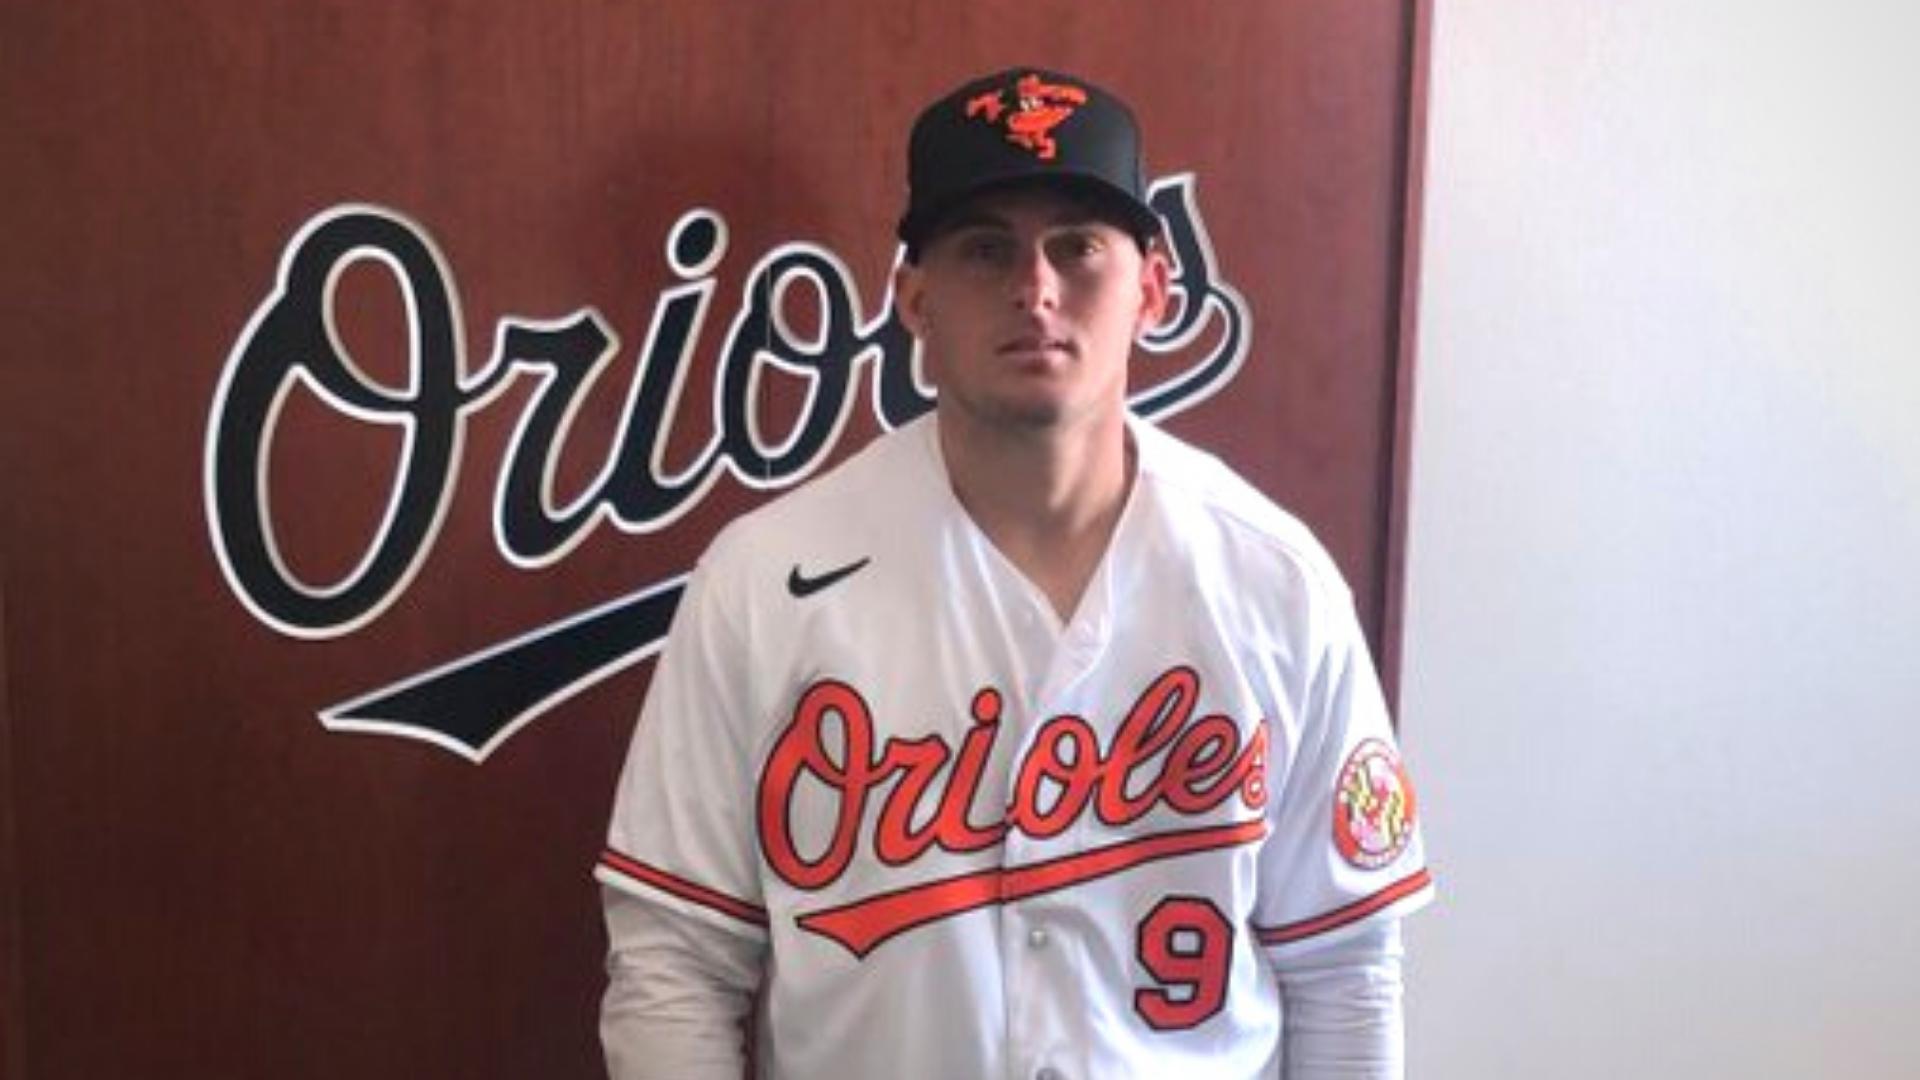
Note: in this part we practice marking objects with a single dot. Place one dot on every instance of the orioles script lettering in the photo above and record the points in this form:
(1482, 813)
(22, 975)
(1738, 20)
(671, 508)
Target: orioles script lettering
(292, 345)
(1161, 755)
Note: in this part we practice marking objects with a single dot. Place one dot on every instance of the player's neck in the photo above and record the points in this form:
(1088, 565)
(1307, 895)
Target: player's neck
(1048, 500)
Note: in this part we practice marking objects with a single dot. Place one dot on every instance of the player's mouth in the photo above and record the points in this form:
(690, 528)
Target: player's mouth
(1036, 349)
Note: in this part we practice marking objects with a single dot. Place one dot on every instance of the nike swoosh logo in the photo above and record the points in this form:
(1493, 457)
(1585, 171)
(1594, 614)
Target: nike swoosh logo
(801, 585)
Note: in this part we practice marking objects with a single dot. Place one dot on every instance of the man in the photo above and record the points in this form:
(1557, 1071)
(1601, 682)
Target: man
(1029, 741)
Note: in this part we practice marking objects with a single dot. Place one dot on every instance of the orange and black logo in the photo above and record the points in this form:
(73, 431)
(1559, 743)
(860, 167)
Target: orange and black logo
(1038, 107)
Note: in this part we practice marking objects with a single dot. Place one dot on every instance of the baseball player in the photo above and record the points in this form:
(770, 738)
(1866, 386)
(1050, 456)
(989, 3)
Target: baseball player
(1030, 741)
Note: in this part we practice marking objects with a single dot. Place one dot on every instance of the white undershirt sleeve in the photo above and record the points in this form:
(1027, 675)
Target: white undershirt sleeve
(678, 994)
(1341, 1003)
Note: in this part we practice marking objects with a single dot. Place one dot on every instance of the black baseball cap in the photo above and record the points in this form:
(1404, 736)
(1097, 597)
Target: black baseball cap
(1025, 125)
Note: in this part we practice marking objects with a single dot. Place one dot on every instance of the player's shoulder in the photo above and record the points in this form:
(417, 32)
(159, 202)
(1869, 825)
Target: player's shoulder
(1206, 495)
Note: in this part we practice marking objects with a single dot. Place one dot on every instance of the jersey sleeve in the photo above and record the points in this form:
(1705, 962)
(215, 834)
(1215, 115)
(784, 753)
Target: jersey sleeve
(1344, 844)
(682, 828)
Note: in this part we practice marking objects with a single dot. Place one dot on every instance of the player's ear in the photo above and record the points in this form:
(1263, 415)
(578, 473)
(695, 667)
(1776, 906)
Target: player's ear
(909, 297)
(1156, 285)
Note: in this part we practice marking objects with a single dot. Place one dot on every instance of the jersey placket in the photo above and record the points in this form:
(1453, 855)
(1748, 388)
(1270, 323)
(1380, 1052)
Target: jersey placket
(1036, 961)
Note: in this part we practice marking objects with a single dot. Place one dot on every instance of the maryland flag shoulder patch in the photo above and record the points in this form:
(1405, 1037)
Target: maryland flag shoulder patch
(1373, 807)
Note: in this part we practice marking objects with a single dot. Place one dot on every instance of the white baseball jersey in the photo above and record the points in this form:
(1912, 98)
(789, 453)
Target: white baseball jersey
(981, 843)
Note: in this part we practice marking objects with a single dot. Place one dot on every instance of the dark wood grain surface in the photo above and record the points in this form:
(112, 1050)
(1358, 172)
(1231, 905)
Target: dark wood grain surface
(201, 880)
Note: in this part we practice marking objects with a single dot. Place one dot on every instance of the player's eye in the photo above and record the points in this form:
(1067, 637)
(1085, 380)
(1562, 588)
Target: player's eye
(1076, 246)
(985, 248)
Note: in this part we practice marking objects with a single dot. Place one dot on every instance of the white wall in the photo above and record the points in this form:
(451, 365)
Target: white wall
(1662, 685)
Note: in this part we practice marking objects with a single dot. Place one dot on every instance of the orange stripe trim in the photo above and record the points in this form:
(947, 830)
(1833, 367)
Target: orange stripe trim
(864, 924)
(673, 885)
(1350, 913)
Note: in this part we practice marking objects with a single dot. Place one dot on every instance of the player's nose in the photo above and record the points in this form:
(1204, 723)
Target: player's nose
(1034, 282)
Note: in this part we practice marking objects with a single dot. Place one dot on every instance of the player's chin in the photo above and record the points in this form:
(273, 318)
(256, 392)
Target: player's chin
(1024, 406)
(1049, 413)
(1016, 414)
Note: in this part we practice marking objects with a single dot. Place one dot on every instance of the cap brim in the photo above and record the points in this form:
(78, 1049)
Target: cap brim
(917, 225)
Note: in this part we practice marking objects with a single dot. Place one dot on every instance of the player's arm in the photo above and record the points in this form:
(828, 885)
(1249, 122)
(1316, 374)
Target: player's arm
(686, 928)
(678, 994)
(1343, 862)
(1341, 1003)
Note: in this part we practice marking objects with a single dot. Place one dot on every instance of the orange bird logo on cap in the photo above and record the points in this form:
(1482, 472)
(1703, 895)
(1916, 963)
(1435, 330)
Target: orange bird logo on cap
(1039, 107)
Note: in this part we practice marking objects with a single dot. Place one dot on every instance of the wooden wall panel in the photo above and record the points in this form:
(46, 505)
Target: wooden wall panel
(201, 878)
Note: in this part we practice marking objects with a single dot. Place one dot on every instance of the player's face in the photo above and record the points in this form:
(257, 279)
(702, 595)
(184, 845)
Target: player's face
(1027, 304)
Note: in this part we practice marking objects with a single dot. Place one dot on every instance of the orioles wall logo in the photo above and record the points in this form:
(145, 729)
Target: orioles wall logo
(1039, 107)
(472, 703)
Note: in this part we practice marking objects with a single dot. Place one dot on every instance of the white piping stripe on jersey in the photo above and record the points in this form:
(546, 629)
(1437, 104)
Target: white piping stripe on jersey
(1346, 914)
(653, 877)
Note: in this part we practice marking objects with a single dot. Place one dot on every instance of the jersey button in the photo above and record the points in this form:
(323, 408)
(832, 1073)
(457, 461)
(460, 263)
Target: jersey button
(1037, 938)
